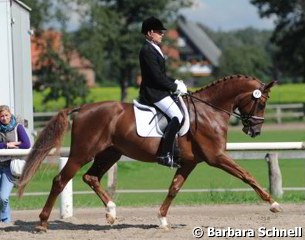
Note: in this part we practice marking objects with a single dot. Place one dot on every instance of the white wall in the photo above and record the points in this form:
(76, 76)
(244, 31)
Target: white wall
(6, 58)
(15, 60)
(21, 38)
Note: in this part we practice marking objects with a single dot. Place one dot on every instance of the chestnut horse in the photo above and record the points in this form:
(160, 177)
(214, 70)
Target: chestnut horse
(105, 131)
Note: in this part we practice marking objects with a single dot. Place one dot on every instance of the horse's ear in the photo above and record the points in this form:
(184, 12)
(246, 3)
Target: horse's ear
(271, 84)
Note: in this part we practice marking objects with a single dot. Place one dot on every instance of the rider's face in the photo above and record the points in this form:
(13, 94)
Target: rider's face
(156, 36)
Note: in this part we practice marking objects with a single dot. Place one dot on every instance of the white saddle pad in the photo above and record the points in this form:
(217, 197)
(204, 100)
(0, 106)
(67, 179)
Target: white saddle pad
(148, 124)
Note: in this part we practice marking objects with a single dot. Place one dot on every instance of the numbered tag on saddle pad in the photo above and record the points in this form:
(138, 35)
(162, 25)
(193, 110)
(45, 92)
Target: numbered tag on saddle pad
(257, 93)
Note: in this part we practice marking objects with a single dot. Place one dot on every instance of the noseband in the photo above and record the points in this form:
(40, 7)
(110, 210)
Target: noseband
(249, 120)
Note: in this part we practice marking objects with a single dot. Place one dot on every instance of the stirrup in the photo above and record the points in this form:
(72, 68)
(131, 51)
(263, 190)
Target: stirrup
(168, 161)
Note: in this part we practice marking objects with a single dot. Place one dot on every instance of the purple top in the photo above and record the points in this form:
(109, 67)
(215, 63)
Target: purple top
(22, 137)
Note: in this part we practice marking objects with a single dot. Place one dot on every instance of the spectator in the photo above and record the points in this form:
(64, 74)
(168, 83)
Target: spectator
(12, 136)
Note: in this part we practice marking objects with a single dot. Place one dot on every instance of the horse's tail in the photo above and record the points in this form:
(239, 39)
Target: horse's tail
(49, 138)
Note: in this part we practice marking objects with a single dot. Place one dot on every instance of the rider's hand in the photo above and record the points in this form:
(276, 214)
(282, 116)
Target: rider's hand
(181, 87)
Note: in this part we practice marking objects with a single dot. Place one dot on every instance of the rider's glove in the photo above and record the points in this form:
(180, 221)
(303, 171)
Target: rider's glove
(181, 87)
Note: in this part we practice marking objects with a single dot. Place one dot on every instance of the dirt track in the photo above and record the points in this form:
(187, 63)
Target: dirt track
(142, 223)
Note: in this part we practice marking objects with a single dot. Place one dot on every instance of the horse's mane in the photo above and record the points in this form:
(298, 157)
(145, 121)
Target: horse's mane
(221, 80)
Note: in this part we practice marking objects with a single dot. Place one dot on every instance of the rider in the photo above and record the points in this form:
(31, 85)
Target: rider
(156, 87)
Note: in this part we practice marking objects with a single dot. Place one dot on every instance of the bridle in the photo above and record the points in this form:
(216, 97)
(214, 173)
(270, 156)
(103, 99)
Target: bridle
(249, 119)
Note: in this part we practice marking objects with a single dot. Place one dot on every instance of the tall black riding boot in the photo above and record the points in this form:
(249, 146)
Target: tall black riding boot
(167, 143)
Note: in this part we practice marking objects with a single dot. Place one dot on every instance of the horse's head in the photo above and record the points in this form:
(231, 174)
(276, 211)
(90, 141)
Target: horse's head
(252, 109)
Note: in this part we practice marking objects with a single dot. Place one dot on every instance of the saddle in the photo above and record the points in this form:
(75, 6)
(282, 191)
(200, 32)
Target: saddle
(152, 123)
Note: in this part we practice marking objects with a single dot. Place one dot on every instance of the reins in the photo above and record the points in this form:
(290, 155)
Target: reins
(235, 114)
(245, 119)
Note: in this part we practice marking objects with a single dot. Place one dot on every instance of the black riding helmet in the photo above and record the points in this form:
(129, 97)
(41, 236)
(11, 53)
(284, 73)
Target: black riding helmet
(152, 23)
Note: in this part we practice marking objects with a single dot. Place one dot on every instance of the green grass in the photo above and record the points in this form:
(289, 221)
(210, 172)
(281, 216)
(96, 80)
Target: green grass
(95, 95)
(279, 135)
(287, 93)
(138, 175)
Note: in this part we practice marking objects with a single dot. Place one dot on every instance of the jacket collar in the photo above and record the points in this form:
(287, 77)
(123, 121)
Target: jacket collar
(156, 47)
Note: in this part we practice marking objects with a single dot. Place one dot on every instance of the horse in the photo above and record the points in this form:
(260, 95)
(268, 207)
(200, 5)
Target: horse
(105, 131)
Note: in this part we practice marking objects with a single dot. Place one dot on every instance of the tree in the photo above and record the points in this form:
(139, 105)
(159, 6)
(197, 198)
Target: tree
(57, 77)
(40, 13)
(246, 51)
(110, 35)
(246, 60)
(288, 35)
(54, 72)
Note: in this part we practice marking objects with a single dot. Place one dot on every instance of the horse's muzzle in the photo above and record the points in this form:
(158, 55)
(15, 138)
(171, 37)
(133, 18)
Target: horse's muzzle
(252, 131)
(252, 125)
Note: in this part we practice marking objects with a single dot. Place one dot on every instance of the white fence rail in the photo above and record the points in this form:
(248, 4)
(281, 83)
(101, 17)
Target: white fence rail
(290, 150)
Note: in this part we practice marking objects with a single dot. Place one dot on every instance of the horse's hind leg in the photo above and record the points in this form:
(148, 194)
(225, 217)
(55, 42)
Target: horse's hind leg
(227, 164)
(177, 182)
(59, 183)
(102, 162)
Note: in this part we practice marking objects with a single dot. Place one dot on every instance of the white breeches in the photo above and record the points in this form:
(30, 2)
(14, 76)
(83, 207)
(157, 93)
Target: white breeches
(170, 108)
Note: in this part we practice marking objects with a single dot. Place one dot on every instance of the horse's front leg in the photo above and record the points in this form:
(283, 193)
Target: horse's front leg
(227, 164)
(102, 163)
(177, 182)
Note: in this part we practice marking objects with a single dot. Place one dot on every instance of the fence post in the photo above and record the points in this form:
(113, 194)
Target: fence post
(66, 196)
(275, 176)
(279, 115)
(112, 179)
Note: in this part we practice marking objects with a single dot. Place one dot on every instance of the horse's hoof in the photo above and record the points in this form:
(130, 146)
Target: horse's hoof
(165, 228)
(41, 229)
(163, 222)
(111, 212)
(110, 219)
(275, 207)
